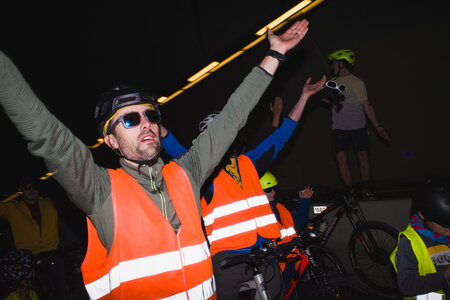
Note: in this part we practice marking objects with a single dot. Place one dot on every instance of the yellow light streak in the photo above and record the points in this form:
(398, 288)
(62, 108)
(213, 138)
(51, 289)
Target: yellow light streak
(283, 17)
(48, 175)
(278, 23)
(172, 96)
(203, 71)
(306, 9)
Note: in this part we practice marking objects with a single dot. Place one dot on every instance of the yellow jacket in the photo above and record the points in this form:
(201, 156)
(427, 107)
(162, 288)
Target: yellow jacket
(25, 230)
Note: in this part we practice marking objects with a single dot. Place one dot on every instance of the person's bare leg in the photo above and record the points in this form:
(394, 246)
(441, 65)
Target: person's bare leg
(364, 167)
(344, 169)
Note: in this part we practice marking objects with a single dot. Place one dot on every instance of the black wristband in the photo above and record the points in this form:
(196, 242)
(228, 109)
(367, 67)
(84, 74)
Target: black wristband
(275, 54)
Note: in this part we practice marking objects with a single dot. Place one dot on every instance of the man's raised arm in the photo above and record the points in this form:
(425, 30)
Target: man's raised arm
(210, 146)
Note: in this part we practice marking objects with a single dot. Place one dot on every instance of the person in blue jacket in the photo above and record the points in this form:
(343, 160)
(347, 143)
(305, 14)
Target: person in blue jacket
(228, 280)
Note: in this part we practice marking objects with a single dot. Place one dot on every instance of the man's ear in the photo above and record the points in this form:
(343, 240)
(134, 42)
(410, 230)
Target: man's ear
(111, 141)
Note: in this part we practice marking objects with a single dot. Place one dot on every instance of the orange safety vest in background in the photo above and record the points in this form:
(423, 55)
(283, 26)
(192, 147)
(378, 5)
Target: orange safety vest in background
(148, 260)
(235, 215)
(287, 224)
(288, 231)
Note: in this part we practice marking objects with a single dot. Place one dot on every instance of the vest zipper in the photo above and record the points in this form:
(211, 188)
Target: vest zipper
(161, 194)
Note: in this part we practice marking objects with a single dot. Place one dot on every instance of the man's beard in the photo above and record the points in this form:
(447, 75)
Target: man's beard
(137, 153)
(145, 155)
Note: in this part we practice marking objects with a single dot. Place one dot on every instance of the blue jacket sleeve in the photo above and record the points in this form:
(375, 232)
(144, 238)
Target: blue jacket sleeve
(268, 149)
(172, 146)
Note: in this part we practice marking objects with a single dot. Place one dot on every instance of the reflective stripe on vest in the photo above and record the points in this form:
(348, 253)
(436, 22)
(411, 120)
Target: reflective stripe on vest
(147, 266)
(242, 227)
(287, 223)
(231, 208)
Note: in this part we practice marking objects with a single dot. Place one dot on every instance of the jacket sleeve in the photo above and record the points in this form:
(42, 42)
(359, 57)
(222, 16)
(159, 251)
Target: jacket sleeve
(268, 149)
(210, 146)
(49, 139)
(172, 146)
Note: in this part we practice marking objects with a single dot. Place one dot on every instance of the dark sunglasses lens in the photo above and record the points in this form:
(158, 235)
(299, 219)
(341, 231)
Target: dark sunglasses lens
(131, 119)
(153, 116)
(29, 187)
(331, 84)
(342, 88)
(268, 190)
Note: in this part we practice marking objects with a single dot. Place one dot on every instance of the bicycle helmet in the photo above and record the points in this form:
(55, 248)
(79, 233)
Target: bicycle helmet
(345, 54)
(432, 199)
(268, 180)
(118, 98)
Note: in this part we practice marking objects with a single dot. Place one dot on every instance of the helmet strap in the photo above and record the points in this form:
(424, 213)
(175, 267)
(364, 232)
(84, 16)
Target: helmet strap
(141, 163)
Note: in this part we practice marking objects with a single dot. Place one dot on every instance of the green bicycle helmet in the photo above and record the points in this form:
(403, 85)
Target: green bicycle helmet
(341, 54)
(268, 180)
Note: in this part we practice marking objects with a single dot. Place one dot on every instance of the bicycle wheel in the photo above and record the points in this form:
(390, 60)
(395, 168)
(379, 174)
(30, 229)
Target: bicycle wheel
(369, 255)
(341, 288)
(329, 263)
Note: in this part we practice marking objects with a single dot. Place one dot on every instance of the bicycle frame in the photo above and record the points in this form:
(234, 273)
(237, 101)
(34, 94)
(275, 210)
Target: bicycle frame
(304, 261)
(354, 215)
(308, 266)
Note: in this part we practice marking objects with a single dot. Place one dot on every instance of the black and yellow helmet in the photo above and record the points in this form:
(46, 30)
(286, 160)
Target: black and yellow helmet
(345, 54)
(117, 98)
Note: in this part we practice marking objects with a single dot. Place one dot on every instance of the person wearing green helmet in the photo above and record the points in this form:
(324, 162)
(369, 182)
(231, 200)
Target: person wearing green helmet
(349, 124)
(288, 221)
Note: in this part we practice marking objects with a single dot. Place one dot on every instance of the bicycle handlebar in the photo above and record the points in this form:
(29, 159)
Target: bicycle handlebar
(269, 251)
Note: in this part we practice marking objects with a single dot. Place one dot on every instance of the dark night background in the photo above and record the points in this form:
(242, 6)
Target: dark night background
(70, 52)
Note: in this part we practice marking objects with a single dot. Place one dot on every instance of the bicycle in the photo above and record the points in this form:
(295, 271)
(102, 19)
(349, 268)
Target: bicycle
(319, 268)
(369, 246)
(254, 260)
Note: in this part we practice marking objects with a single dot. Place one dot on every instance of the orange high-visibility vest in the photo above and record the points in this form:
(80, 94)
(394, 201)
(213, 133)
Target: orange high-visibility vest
(287, 224)
(288, 233)
(148, 260)
(235, 215)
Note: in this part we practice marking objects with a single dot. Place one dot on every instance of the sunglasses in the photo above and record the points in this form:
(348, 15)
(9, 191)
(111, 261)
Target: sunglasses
(133, 119)
(333, 85)
(269, 190)
(29, 187)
